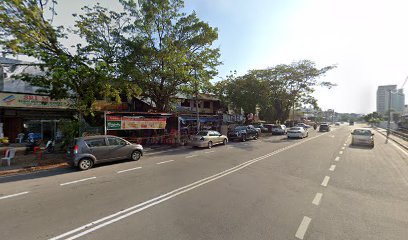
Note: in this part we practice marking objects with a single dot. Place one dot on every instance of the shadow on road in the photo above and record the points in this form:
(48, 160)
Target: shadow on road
(361, 147)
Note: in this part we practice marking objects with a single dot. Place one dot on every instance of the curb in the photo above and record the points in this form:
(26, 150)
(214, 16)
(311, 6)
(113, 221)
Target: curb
(391, 138)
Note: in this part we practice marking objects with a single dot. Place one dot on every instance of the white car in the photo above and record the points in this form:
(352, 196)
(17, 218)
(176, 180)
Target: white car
(208, 139)
(297, 132)
(362, 136)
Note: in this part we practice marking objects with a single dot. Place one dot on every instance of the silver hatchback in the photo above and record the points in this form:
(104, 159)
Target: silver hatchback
(87, 151)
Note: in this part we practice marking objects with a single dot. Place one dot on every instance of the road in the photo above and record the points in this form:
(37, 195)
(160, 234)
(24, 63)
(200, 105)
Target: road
(319, 187)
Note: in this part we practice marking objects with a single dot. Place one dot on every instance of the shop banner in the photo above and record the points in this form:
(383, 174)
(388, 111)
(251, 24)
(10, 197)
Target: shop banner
(30, 101)
(131, 123)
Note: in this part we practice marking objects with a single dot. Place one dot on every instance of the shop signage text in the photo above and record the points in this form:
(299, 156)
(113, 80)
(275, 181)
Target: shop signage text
(129, 123)
(30, 101)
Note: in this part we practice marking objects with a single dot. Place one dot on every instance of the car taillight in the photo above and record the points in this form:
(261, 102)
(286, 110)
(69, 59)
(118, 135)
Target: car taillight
(76, 149)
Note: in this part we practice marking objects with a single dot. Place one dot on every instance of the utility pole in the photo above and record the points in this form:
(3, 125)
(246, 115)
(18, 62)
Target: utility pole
(196, 98)
(389, 115)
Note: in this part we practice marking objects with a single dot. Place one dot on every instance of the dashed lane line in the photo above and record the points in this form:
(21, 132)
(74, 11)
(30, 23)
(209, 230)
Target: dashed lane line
(337, 159)
(300, 233)
(81, 180)
(209, 152)
(130, 169)
(341, 152)
(332, 167)
(191, 156)
(325, 181)
(13, 195)
(164, 162)
(317, 199)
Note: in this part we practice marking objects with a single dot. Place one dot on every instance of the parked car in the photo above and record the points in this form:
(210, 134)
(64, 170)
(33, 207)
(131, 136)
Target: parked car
(88, 151)
(362, 136)
(256, 128)
(279, 129)
(305, 126)
(262, 127)
(208, 139)
(297, 132)
(337, 124)
(243, 133)
(324, 127)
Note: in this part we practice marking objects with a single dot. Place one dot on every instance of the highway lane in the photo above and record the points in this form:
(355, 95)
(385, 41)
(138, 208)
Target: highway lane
(270, 188)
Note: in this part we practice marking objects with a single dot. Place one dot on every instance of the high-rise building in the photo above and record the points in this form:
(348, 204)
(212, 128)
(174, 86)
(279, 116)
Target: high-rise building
(397, 99)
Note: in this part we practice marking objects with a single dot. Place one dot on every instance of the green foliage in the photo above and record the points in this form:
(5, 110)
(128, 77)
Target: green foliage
(69, 130)
(373, 117)
(275, 90)
(170, 52)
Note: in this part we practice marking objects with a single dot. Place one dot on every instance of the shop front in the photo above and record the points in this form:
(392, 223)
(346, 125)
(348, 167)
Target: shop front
(36, 114)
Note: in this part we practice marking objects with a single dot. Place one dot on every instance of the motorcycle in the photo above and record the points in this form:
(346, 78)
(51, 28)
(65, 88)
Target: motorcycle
(50, 146)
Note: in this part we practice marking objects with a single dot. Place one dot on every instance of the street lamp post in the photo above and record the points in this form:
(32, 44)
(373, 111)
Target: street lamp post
(389, 116)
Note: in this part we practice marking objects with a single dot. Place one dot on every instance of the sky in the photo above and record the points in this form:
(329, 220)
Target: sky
(366, 39)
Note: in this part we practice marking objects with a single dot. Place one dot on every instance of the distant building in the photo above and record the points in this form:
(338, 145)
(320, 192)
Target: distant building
(397, 99)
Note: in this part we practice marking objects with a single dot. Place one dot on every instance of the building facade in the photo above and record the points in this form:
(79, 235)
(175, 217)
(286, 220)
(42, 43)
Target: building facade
(397, 99)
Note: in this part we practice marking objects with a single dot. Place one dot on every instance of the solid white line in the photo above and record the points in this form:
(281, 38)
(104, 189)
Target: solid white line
(130, 169)
(317, 199)
(325, 181)
(90, 227)
(209, 152)
(332, 167)
(164, 162)
(341, 152)
(300, 233)
(191, 156)
(81, 180)
(13, 195)
(337, 159)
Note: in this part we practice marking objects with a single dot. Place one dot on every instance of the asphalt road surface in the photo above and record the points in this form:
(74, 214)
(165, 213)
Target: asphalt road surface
(319, 187)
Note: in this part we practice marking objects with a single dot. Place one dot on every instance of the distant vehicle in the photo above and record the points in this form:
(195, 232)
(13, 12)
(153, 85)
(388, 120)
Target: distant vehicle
(243, 133)
(303, 125)
(297, 132)
(256, 128)
(362, 136)
(279, 129)
(324, 127)
(262, 127)
(208, 139)
(351, 123)
(337, 123)
(88, 151)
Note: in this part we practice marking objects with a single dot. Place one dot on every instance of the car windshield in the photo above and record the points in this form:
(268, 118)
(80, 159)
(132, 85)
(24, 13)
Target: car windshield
(362, 132)
(239, 128)
(202, 133)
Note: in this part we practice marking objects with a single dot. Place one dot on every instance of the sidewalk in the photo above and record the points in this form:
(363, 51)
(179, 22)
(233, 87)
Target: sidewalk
(401, 142)
(33, 163)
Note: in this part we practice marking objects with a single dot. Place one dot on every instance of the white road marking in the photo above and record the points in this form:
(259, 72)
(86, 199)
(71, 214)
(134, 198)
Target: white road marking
(130, 169)
(317, 199)
(91, 227)
(300, 233)
(332, 167)
(337, 159)
(164, 162)
(341, 152)
(209, 152)
(81, 180)
(343, 148)
(230, 147)
(345, 144)
(191, 156)
(325, 181)
(13, 195)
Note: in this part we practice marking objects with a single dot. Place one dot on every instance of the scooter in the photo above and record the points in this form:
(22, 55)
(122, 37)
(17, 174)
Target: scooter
(50, 146)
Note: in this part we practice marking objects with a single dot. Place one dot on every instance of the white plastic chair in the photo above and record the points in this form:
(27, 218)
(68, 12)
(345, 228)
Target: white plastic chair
(20, 137)
(10, 153)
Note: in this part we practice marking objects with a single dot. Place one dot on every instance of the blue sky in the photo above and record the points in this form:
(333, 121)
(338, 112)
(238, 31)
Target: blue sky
(367, 39)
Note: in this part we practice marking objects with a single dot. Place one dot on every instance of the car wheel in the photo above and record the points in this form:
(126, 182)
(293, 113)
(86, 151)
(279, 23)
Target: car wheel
(243, 138)
(136, 155)
(307, 134)
(210, 145)
(225, 141)
(85, 164)
(256, 136)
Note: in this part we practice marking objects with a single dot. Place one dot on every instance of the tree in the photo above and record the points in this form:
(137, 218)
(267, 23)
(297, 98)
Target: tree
(171, 52)
(276, 90)
(83, 73)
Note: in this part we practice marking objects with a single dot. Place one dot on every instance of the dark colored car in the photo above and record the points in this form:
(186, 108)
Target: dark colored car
(262, 127)
(324, 128)
(87, 151)
(243, 133)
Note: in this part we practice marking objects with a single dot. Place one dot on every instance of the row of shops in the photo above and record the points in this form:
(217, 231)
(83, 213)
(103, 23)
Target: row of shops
(40, 116)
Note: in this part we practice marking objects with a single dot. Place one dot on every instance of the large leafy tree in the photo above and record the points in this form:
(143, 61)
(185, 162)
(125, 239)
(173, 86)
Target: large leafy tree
(171, 51)
(275, 90)
(84, 72)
